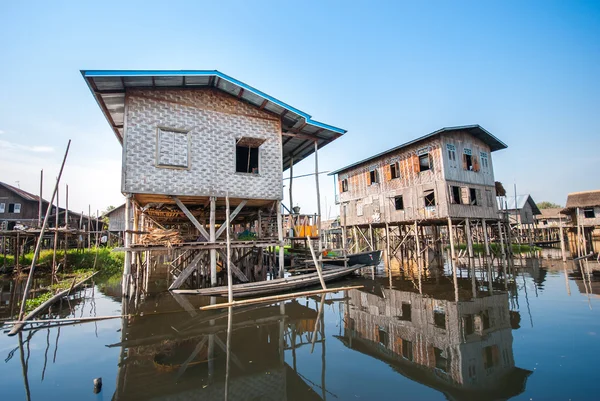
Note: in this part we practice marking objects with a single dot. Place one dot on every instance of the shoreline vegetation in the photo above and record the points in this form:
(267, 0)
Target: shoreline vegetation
(80, 264)
(479, 248)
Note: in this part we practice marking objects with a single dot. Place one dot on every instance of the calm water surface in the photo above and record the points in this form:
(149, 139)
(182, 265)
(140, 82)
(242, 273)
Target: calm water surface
(534, 335)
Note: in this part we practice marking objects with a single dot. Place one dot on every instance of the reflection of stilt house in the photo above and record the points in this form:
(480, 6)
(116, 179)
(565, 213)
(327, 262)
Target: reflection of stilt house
(446, 175)
(584, 211)
(463, 349)
(191, 138)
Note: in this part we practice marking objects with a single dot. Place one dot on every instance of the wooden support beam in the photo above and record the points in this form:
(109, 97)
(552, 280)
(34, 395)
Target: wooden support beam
(234, 269)
(186, 272)
(212, 238)
(233, 215)
(192, 218)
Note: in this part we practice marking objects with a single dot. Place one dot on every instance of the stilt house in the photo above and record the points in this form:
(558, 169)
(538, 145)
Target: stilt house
(447, 173)
(584, 210)
(522, 210)
(192, 138)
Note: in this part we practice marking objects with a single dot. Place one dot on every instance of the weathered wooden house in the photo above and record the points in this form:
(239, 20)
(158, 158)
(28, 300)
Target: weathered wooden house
(584, 210)
(19, 207)
(447, 173)
(192, 138)
(521, 212)
(552, 217)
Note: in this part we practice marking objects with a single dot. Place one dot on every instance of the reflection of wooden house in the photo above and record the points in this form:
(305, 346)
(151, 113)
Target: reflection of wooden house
(463, 349)
(447, 173)
(185, 358)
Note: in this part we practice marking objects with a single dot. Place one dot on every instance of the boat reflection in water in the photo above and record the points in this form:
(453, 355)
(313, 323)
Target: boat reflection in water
(463, 349)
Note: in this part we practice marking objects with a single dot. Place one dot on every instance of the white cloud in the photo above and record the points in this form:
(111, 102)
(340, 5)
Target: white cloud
(1, 132)
(16, 146)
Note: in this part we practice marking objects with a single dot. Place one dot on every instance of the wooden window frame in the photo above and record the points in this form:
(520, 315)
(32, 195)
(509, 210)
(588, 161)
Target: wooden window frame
(396, 198)
(157, 156)
(373, 176)
(258, 156)
(429, 162)
(344, 185)
(395, 171)
(2, 207)
(426, 194)
(589, 209)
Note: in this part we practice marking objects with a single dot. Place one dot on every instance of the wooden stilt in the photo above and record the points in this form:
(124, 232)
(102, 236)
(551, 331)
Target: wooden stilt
(485, 237)
(212, 238)
(127, 263)
(40, 200)
(344, 250)
(453, 258)
(227, 231)
(562, 239)
(280, 240)
(418, 256)
(55, 242)
(372, 245)
(320, 250)
(317, 263)
(469, 238)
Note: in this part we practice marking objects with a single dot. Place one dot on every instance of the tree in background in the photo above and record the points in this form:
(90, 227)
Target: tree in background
(547, 205)
(500, 191)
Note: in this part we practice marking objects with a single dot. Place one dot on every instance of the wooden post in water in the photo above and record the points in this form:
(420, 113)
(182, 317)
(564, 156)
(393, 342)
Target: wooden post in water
(344, 251)
(485, 237)
(127, 240)
(453, 259)
(318, 200)
(229, 276)
(55, 237)
(469, 238)
(280, 240)
(562, 239)
(291, 194)
(212, 234)
(371, 237)
(38, 246)
(419, 260)
(66, 226)
(387, 249)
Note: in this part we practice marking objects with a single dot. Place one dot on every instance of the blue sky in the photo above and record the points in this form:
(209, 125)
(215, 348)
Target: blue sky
(529, 72)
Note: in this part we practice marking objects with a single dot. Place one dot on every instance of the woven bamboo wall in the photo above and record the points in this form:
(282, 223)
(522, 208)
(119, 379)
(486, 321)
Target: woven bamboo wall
(214, 121)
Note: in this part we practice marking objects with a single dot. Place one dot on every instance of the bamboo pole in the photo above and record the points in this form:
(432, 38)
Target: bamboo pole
(40, 200)
(66, 226)
(280, 240)
(344, 251)
(17, 327)
(317, 263)
(55, 236)
(213, 252)
(278, 297)
(38, 246)
(64, 320)
(469, 238)
(453, 259)
(229, 275)
(318, 199)
(562, 239)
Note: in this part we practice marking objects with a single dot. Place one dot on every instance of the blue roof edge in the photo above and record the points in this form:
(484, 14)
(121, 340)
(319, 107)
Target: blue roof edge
(143, 73)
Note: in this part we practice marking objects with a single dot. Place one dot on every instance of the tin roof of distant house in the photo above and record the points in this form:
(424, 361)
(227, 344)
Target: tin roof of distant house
(476, 130)
(508, 203)
(109, 87)
(23, 194)
(583, 199)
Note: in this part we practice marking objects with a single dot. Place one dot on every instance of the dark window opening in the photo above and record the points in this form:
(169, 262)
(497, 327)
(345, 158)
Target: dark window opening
(429, 198)
(406, 312)
(11, 208)
(373, 177)
(344, 185)
(246, 159)
(489, 354)
(441, 362)
(468, 162)
(473, 196)
(589, 213)
(407, 349)
(469, 325)
(399, 202)
(456, 195)
(485, 320)
(425, 162)
(383, 337)
(439, 319)
(394, 171)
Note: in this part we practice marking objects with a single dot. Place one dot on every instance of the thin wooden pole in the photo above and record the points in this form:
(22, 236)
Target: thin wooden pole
(419, 260)
(344, 250)
(318, 199)
(562, 239)
(371, 237)
(291, 193)
(453, 259)
(55, 237)
(66, 226)
(469, 239)
(89, 226)
(280, 297)
(280, 240)
(40, 200)
(127, 262)
(38, 246)
(485, 237)
(317, 263)
(229, 276)
(212, 233)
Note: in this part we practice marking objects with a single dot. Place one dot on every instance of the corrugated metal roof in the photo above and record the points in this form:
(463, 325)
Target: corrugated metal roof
(508, 203)
(109, 86)
(23, 194)
(475, 130)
